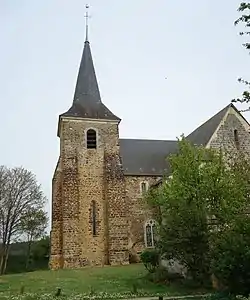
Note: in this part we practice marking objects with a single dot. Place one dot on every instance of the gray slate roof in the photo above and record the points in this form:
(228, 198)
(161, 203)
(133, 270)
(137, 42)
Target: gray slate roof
(139, 157)
(87, 100)
(204, 132)
(146, 157)
(149, 157)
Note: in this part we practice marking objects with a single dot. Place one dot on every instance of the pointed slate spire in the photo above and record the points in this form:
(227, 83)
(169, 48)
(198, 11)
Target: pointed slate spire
(87, 100)
(86, 86)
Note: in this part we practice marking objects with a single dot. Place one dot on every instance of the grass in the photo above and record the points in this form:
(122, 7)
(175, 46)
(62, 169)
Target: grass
(112, 280)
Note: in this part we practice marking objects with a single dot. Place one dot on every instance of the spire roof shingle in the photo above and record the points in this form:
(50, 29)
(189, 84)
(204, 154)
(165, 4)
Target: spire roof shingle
(87, 100)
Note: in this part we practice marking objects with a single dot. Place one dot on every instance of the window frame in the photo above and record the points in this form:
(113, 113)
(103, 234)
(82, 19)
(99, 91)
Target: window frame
(236, 139)
(91, 144)
(152, 224)
(142, 192)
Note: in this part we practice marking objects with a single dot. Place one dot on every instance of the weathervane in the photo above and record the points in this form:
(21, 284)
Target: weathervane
(87, 22)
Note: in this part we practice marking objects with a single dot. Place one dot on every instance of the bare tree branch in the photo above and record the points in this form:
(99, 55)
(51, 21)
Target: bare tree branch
(19, 194)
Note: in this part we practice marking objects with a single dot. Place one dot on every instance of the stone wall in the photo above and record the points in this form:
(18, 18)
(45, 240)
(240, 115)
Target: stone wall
(117, 210)
(224, 136)
(89, 175)
(56, 261)
(139, 212)
(85, 175)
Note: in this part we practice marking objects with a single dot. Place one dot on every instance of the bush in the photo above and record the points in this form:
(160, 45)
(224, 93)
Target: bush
(231, 259)
(17, 264)
(150, 259)
(162, 275)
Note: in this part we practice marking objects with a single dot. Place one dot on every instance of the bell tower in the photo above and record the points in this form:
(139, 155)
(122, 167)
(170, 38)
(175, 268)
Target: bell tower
(89, 213)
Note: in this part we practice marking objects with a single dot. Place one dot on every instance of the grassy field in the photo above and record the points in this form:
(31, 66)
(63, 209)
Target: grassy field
(111, 280)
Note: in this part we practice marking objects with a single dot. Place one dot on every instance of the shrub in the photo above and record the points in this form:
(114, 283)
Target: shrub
(222, 296)
(162, 275)
(150, 259)
(231, 258)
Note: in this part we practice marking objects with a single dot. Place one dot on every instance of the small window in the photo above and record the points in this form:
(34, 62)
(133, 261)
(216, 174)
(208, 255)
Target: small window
(144, 187)
(150, 233)
(94, 218)
(91, 139)
(236, 139)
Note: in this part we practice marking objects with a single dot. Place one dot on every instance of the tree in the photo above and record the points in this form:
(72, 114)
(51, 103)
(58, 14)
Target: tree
(230, 246)
(40, 249)
(19, 194)
(230, 257)
(202, 195)
(33, 226)
(244, 8)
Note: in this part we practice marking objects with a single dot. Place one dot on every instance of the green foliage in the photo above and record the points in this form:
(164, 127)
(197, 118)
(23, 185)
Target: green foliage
(34, 223)
(231, 257)
(244, 8)
(134, 288)
(222, 296)
(20, 194)
(202, 197)
(33, 226)
(184, 233)
(107, 283)
(41, 248)
(150, 259)
(39, 258)
(162, 275)
(17, 264)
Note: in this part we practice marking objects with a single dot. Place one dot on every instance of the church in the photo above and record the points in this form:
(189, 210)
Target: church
(98, 213)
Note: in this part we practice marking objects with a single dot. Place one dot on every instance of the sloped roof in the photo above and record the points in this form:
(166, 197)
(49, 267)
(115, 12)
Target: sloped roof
(149, 157)
(87, 100)
(139, 157)
(146, 157)
(204, 132)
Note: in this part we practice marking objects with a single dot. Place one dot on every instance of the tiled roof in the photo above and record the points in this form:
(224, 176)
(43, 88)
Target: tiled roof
(149, 157)
(146, 157)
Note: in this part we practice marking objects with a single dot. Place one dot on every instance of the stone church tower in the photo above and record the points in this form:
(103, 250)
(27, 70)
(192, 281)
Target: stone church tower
(99, 215)
(89, 221)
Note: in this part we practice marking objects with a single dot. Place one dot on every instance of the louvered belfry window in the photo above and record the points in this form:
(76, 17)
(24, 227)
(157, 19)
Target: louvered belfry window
(91, 139)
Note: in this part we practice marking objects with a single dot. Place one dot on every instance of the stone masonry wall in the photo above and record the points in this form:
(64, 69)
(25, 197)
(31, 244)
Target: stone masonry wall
(224, 137)
(56, 261)
(71, 250)
(117, 209)
(139, 212)
(86, 175)
(91, 175)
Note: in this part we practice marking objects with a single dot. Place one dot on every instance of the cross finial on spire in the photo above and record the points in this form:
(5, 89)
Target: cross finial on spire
(87, 22)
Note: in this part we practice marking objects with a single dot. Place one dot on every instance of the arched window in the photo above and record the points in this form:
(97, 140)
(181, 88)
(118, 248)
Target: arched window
(236, 139)
(150, 233)
(93, 210)
(91, 139)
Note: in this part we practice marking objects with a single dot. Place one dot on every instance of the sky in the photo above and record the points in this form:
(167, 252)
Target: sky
(163, 66)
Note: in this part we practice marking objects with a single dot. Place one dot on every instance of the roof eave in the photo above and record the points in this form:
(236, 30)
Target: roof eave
(117, 120)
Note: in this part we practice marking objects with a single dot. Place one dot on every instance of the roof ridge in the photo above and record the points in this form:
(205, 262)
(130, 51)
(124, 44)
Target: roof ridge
(202, 134)
(239, 112)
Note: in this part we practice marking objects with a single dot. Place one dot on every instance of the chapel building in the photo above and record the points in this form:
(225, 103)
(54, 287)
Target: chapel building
(98, 213)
